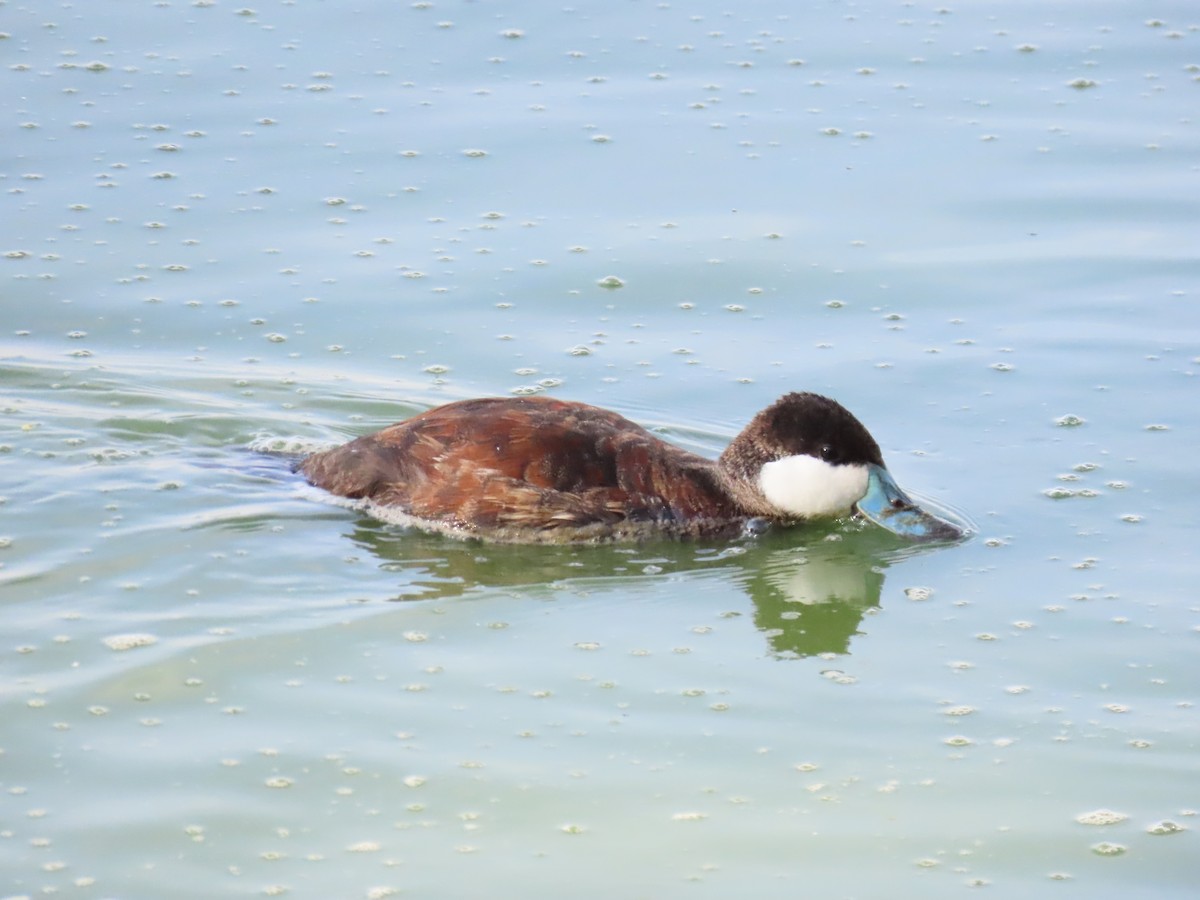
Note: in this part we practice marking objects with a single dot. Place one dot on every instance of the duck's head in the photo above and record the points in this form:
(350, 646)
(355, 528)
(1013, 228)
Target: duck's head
(807, 456)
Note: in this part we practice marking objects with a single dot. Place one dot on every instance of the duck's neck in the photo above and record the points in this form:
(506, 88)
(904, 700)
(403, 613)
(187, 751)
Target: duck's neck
(736, 476)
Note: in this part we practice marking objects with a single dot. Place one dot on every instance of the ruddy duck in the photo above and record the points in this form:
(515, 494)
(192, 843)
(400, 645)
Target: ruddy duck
(536, 469)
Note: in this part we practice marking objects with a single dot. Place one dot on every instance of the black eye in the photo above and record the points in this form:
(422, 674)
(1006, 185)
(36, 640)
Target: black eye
(826, 452)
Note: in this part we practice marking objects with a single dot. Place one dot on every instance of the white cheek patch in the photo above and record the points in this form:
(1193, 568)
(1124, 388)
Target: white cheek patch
(807, 487)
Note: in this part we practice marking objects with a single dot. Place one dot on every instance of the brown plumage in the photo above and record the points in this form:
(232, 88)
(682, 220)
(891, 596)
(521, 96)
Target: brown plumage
(515, 467)
(540, 469)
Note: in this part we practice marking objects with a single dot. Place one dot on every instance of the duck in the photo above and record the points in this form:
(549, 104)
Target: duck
(536, 469)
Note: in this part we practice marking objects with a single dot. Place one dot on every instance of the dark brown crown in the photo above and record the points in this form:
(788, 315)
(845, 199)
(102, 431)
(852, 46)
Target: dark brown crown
(801, 423)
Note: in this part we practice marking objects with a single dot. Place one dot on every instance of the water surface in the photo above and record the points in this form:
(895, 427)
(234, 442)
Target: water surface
(229, 230)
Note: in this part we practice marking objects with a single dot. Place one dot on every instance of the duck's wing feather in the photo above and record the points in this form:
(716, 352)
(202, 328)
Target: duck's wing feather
(529, 462)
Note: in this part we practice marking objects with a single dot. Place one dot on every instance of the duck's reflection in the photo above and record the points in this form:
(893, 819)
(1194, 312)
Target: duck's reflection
(810, 587)
(811, 599)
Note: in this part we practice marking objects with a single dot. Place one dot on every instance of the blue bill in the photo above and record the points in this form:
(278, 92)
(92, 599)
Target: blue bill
(889, 507)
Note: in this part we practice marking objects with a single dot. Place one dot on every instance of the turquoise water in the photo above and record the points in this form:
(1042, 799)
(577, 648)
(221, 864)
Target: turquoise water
(231, 234)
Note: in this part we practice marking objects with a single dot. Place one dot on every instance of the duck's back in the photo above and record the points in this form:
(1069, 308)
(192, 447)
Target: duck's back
(526, 464)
